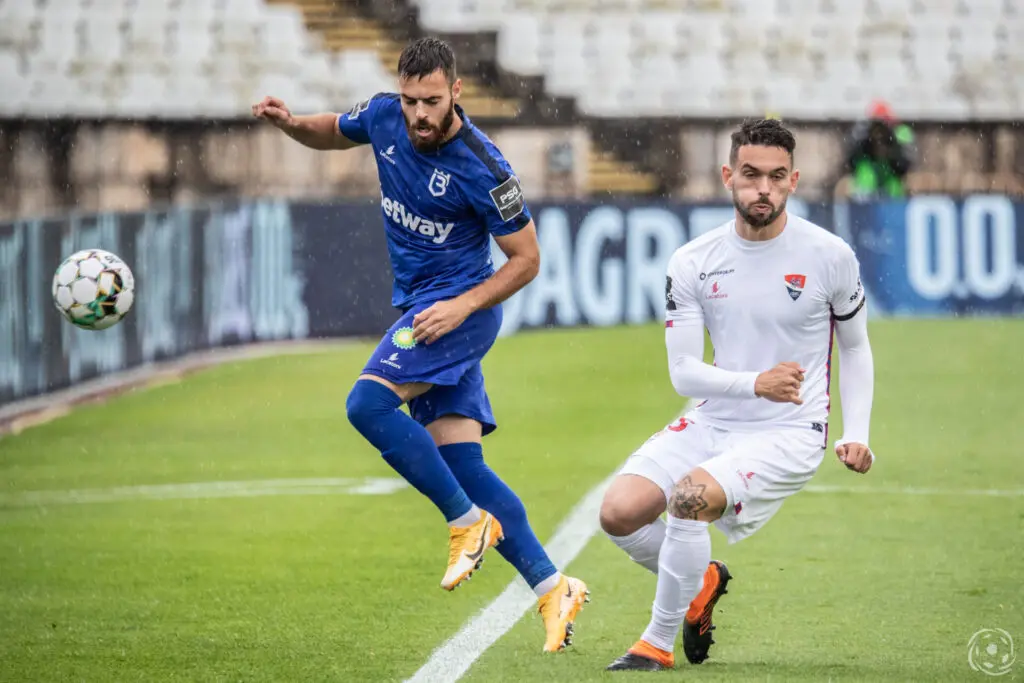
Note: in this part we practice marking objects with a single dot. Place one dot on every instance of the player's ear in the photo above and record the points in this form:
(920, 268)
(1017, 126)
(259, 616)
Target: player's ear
(456, 88)
(727, 176)
(794, 178)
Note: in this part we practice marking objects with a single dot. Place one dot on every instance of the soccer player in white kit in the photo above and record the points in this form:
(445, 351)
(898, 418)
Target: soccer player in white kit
(770, 288)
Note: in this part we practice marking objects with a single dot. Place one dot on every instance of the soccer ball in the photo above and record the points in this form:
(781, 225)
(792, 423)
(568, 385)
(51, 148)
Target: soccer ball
(93, 289)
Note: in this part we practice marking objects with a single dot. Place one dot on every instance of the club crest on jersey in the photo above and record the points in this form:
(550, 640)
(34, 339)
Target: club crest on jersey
(795, 285)
(438, 184)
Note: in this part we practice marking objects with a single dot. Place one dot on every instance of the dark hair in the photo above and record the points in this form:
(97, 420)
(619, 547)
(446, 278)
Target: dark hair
(424, 56)
(763, 133)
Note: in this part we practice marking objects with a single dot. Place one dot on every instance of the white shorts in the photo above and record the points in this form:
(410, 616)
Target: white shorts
(757, 470)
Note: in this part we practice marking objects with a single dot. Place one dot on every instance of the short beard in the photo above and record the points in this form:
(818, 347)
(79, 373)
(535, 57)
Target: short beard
(435, 144)
(754, 221)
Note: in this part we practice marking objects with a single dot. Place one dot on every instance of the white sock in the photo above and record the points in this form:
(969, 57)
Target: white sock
(547, 585)
(684, 559)
(468, 519)
(643, 545)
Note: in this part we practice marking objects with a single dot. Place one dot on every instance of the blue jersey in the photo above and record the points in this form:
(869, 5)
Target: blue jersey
(439, 208)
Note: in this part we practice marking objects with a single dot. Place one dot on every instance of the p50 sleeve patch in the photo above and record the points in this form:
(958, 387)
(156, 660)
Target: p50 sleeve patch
(508, 198)
(358, 109)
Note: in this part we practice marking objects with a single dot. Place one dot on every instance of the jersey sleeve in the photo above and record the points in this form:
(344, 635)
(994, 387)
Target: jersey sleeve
(357, 123)
(847, 296)
(499, 200)
(681, 301)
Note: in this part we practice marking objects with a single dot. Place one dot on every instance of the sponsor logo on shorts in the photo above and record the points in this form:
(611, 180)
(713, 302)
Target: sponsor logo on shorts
(390, 360)
(403, 338)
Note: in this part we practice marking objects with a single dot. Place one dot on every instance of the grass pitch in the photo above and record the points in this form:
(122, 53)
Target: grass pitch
(336, 585)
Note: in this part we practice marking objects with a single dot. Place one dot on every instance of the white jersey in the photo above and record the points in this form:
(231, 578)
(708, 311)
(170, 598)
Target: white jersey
(764, 303)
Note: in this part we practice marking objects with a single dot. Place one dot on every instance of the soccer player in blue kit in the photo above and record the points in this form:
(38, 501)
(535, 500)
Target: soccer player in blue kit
(445, 191)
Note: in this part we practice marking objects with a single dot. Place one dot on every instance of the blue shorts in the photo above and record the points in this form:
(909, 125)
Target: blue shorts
(451, 364)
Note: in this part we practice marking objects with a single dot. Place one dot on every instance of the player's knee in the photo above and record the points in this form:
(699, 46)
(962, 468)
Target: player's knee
(621, 518)
(368, 400)
(630, 503)
(697, 496)
(355, 407)
(615, 521)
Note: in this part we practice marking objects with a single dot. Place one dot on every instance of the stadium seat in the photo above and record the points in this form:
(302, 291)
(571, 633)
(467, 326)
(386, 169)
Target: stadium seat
(168, 58)
(17, 20)
(876, 48)
(520, 44)
(617, 57)
(15, 99)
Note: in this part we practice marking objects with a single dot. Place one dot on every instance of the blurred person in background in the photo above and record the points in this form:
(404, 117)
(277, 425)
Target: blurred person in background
(879, 155)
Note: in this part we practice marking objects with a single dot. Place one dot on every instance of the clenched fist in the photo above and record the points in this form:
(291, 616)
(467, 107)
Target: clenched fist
(781, 384)
(273, 110)
(856, 456)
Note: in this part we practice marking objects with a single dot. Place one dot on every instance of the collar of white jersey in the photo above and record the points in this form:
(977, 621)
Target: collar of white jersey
(763, 245)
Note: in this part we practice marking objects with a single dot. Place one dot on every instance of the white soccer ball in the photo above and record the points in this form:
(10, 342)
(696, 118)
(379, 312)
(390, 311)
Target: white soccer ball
(93, 289)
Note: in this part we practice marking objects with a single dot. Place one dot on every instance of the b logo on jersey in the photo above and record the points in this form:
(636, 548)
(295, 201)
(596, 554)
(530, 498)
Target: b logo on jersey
(795, 285)
(438, 184)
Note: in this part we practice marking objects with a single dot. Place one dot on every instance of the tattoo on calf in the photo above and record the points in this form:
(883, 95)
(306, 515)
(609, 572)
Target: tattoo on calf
(688, 499)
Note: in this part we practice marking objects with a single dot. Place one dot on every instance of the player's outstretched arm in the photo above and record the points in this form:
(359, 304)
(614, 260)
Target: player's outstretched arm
(856, 390)
(523, 252)
(318, 131)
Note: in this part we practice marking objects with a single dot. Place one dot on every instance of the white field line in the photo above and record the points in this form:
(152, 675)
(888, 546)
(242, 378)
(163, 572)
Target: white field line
(913, 491)
(453, 659)
(369, 486)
